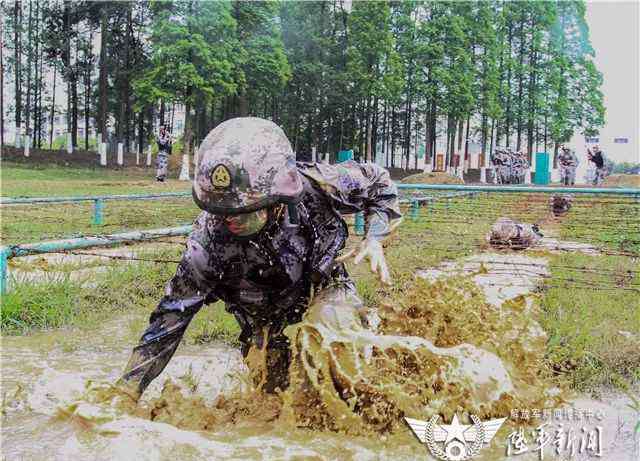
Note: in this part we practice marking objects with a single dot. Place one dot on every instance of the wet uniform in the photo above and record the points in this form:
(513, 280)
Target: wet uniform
(568, 164)
(267, 280)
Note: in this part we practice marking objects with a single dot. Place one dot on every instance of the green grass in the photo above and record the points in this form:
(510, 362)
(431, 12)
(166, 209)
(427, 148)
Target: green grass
(592, 328)
(39, 305)
(37, 222)
(51, 180)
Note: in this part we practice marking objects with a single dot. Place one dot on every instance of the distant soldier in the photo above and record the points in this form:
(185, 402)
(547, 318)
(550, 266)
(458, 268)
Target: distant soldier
(568, 163)
(501, 165)
(519, 167)
(507, 233)
(164, 150)
(561, 204)
(597, 157)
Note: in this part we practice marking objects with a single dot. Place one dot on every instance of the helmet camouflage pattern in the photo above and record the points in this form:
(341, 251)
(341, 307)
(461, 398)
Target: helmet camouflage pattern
(245, 164)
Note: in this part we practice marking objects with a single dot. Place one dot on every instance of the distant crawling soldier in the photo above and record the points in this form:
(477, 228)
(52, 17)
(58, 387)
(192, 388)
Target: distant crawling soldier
(266, 244)
(568, 164)
(597, 158)
(507, 233)
(164, 150)
(561, 204)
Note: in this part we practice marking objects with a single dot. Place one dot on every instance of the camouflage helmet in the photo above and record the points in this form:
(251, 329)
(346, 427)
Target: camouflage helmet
(245, 164)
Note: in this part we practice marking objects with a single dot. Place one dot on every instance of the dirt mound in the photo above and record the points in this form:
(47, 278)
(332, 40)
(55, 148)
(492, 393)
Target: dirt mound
(622, 180)
(432, 178)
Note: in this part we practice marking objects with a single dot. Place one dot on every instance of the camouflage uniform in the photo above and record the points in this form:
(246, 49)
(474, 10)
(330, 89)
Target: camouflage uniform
(501, 163)
(568, 164)
(266, 280)
(507, 233)
(162, 161)
(561, 204)
(598, 159)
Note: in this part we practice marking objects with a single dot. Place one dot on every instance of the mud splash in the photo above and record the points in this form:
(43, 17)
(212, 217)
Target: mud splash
(441, 349)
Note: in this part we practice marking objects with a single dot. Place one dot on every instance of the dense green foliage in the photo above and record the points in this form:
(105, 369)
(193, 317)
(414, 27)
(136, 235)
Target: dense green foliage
(378, 77)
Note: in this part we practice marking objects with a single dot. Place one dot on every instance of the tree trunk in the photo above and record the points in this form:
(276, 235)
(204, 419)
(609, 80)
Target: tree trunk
(17, 21)
(508, 104)
(466, 141)
(520, 78)
(1, 83)
(27, 111)
(141, 131)
(188, 132)
(53, 106)
(41, 87)
(127, 84)
(36, 78)
(74, 101)
(369, 121)
(102, 110)
(87, 90)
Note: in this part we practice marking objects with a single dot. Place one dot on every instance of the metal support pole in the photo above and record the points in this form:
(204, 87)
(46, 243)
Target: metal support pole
(98, 207)
(359, 224)
(3, 270)
(415, 207)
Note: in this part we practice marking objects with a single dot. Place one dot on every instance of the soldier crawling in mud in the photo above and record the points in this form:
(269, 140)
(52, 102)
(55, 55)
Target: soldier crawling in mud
(509, 234)
(568, 163)
(561, 204)
(267, 242)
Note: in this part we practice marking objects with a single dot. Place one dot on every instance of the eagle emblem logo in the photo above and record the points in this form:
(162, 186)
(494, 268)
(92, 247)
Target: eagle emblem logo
(220, 177)
(460, 442)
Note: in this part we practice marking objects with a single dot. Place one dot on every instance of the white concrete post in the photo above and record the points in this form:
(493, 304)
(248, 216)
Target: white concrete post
(555, 175)
(314, 157)
(527, 176)
(483, 175)
(149, 156)
(27, 145)
(69, 144)
(326, 158)
(103, 153)
(120, 154)
(184, 171)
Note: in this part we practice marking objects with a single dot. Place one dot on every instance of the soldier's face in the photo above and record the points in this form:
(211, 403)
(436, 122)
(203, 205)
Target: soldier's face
(247, 223)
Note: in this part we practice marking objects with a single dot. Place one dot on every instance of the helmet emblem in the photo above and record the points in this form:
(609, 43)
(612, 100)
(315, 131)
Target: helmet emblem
(220, 177)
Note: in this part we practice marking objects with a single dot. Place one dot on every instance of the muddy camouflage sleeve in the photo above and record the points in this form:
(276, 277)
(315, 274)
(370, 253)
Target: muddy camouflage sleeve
(355, 187)
(185, 294)
(191, 283)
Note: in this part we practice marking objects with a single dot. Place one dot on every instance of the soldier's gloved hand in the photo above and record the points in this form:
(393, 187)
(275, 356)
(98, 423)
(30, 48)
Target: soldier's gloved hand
(371, 248)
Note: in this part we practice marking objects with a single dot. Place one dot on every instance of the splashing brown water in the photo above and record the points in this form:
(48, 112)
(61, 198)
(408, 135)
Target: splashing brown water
(441, 349)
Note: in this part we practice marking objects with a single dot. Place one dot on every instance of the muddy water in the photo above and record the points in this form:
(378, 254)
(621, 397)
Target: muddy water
(47, 413)
(451, 344)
